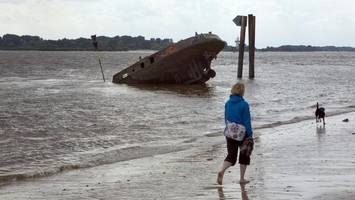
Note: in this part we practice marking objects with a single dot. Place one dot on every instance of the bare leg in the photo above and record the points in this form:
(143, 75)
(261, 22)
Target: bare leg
(243, 168)
(225, 166)
(323, 121)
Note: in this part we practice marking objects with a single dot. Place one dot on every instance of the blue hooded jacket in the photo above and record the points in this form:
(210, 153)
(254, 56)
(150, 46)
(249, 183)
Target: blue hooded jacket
(237, 110)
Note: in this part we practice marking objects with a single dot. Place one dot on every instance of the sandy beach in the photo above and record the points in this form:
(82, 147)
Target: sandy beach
(295, 161)
(128, 100)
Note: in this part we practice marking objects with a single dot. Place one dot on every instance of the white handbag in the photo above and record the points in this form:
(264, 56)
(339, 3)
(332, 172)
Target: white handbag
(234, 131)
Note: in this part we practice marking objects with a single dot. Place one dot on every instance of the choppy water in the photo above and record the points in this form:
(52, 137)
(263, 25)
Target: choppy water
(56, 113)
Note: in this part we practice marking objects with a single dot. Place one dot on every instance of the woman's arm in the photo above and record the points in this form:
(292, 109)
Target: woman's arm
(247, 121)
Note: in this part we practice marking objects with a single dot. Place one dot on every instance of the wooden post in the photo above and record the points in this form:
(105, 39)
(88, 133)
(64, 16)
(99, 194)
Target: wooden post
(241, 46)
(251, 26)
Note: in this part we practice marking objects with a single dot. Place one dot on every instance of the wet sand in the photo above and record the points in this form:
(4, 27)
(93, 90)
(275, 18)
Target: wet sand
(294, 161)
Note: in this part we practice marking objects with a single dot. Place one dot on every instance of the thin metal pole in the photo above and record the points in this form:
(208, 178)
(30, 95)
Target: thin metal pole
(96, 45)
(102, 71)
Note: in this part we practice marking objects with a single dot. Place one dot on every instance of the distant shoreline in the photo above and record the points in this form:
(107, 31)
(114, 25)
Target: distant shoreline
(137, 50)
(307, 48)
(129, 43)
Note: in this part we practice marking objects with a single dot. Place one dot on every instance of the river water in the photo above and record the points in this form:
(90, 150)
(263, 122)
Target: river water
(57, 114)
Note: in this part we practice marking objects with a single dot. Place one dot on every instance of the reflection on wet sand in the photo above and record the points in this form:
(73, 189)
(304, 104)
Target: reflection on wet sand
(243, 192)
(221, 194)
(320, 129)
(202, 90)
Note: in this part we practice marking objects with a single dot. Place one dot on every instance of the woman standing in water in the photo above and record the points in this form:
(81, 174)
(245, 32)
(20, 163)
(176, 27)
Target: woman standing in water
(237, 114)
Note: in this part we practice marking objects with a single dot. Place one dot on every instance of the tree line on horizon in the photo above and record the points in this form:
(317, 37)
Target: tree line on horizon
(117, 43)
(125, 43)
(296, 48)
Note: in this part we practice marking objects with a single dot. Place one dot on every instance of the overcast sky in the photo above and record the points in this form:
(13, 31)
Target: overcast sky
(278, 22)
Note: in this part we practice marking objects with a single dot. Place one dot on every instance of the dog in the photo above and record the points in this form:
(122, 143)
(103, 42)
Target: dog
(320, 114)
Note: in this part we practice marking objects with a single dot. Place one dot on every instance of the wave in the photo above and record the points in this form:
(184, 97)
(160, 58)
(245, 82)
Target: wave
(347, 109)
(91, 159)
(297, 119)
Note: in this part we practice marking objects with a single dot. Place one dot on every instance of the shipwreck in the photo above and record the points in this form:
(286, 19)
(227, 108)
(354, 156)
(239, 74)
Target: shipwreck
(185, 62)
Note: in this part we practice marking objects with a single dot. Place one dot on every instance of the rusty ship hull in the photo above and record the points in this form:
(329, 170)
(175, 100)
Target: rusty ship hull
(185, 62)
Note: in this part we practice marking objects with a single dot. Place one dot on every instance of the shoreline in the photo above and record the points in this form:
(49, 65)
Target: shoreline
(298, 161)
(142, 152)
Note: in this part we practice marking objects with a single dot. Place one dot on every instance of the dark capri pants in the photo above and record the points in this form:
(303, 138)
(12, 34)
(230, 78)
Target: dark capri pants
(232, 147)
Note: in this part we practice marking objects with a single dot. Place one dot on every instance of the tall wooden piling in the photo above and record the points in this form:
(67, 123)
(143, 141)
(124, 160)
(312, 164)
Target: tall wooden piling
(241, 46)
(251, 32)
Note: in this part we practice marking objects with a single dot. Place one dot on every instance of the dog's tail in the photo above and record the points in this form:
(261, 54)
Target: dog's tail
(317, 106)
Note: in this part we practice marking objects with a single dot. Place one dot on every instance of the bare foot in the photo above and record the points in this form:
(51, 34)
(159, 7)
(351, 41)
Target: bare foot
(243, 181)
(220, 178)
